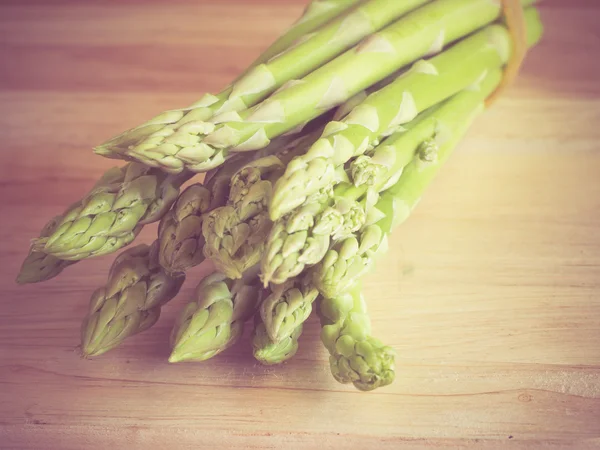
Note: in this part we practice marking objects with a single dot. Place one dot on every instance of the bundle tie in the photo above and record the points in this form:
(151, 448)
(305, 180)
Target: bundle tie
(515, 22)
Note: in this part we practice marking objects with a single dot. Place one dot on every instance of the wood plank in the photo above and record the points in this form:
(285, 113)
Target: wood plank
(490, 294)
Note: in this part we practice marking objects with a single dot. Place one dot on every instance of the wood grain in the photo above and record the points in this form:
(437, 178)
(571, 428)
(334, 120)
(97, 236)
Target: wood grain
(490, 294)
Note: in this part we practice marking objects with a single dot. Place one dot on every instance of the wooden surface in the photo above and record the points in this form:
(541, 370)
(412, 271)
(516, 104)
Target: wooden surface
(490, 294)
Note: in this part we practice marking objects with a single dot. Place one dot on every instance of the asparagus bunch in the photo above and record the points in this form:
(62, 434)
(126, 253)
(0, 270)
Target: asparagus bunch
(310, 220)
(312, 156)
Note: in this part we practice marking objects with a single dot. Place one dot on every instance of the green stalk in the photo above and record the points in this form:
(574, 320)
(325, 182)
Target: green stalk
(214, 321)
(316, 14)
(428, 83)
(130, 302)
(355, 356)
(182, 128)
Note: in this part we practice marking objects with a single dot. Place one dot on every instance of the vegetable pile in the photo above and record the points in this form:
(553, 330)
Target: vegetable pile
(311, 158)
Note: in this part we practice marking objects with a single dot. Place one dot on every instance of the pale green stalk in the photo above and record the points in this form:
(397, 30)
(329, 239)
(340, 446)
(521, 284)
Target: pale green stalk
(286, 307)
(355, 356)
(428, 83)
(214, 321)
(178, 142)
(270, 353)
(315, 15)
(130, 302)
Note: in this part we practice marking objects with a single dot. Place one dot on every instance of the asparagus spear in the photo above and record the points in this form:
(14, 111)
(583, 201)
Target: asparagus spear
(182, 132)
(385, 111)
(39, 266)
(355, 356)
(268, 352)
(287, 307)
(351, 258)
(214, 321)
(130, 302)
(316, 14)
(112, 216)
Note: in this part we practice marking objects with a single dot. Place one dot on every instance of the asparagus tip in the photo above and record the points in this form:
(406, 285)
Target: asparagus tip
(176, 357)
(101, 150)
(88, 352)
(22, 278)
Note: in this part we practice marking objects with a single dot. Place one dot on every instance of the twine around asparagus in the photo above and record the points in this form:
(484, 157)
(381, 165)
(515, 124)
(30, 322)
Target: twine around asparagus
(515, 22)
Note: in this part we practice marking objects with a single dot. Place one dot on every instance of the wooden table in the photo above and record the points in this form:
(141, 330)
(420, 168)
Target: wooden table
(490, 294)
